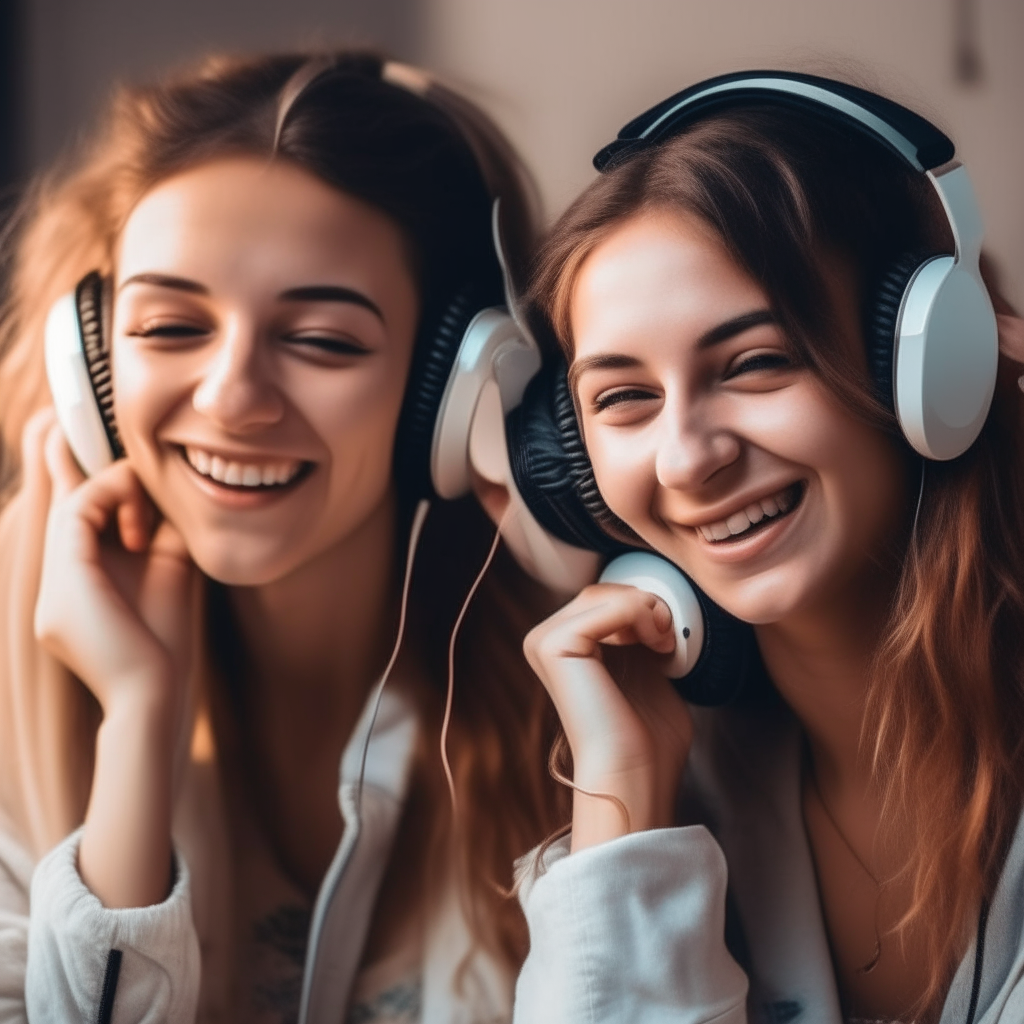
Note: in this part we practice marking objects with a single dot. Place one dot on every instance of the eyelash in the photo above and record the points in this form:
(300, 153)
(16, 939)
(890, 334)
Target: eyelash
(334, 346)
(167, 331)
(606, 401)
(761, 361)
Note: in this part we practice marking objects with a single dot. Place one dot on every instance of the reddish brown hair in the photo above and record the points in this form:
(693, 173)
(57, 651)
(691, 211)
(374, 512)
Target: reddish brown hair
(945, 708)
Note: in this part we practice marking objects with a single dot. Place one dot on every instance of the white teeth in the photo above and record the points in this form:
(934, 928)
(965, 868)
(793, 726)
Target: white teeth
(241, 474)
(737, 522)
(740, 522)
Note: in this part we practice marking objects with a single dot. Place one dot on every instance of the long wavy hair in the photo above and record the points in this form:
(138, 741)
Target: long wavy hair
(787, 192)
(433, 162)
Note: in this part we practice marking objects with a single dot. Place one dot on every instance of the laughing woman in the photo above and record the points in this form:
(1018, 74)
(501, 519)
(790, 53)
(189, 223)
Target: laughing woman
(189, 637)
(720, 294)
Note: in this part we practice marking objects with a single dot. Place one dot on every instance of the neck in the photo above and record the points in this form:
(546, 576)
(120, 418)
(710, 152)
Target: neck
(317, 639)
(821, 662)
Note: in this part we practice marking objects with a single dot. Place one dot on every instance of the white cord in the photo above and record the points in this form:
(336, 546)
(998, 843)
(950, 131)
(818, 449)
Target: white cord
(451, 665)
(917, 510)
(419, 517)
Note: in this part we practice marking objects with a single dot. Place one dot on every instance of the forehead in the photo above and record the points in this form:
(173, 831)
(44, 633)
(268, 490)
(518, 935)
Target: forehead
(664, 273)
(250, 217)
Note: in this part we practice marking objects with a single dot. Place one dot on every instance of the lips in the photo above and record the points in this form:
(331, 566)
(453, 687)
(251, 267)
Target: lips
(247, 474)
(754, 516)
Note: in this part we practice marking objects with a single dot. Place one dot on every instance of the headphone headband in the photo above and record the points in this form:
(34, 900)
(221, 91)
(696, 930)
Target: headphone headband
(910, 136)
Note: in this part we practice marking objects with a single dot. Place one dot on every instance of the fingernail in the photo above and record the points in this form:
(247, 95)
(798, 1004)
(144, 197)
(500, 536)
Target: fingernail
(1020, 382)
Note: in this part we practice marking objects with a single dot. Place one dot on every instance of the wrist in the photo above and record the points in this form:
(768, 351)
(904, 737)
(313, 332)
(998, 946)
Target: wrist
(608, 805)
(148, 703)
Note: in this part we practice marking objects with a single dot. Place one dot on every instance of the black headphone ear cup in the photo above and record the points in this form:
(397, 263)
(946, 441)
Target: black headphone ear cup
(550, 466)
(730, 662)
(89, 301)
(433, 357)
(881, 319)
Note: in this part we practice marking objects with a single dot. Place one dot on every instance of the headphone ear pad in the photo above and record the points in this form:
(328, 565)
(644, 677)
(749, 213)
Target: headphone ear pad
(550, 467)
(882, 318)
(730, 662)
(89, 300)
(433, 356)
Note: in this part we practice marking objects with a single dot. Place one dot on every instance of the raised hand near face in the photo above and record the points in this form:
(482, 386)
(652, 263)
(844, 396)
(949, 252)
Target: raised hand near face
(628, 731)
(115, 606)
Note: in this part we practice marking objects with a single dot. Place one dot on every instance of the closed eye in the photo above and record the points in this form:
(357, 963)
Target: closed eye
(759, 361)
(169, 330)
(328, 344)
(607, 399)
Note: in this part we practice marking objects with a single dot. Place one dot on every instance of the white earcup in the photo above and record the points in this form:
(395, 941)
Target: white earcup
(945, 357)
(657, 576)
(492, 349)
(73, 398)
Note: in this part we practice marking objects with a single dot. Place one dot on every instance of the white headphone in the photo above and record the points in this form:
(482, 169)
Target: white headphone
(938, 316)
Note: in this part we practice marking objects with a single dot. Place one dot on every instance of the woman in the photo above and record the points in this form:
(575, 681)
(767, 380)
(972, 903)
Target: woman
(709, 292)
(279, 240)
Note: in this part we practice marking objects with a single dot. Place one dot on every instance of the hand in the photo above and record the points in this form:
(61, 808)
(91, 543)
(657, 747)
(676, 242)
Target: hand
(115, 595)
(115, 605)
(629, 735)
(1011, 336)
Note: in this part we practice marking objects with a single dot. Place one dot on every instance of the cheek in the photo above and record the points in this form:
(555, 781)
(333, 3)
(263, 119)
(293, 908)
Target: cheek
(624, 469)
(144, 393)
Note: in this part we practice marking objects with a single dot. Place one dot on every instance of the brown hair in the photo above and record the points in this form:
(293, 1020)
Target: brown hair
(945, 710)
(432, 161)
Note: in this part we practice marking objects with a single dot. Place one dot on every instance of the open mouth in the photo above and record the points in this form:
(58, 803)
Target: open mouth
(756, 517)
(269, 475)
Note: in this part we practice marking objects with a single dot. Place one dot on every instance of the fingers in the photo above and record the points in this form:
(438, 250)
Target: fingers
(1011, 336)
(113, 493)
(621, 615)
(64, 472)
(605, 613)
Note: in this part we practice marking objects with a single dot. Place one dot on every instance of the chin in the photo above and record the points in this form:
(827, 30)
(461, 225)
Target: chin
(763, 599)
(236, 565)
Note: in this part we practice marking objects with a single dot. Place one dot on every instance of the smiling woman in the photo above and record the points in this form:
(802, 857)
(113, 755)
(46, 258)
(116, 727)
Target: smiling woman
(727, 296)
(285, 250)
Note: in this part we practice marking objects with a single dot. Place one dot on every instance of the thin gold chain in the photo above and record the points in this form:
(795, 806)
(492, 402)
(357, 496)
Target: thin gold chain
(876, 956)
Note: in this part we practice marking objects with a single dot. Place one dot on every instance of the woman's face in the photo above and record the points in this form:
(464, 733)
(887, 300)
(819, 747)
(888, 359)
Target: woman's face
(705, 437)
(263, 327)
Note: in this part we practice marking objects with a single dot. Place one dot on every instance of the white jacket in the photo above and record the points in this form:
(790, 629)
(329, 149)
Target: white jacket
(634, 930)
(65, 958)
(629, 932)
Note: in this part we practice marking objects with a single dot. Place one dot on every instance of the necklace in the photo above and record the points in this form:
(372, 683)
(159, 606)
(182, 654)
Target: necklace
(877, 954)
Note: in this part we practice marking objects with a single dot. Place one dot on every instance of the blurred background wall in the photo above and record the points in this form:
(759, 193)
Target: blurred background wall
(560, 75)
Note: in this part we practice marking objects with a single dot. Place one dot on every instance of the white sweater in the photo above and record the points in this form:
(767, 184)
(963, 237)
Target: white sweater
(630, 932)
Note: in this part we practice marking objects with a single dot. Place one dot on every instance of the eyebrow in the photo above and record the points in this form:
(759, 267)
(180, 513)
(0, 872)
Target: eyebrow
(332, 293)
(715, 336)
(737, 325)
(182, 284)
(306, 293)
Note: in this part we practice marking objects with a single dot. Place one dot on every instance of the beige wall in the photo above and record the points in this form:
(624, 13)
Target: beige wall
(76, 49)
(563, 76)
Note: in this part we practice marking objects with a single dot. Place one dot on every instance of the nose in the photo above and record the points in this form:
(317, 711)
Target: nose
(693, 446)
(237, 389)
